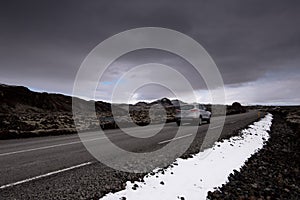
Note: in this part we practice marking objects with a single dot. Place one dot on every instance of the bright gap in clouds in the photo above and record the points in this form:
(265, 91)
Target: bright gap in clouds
(271, 88)
(266, 91)
(42, 46)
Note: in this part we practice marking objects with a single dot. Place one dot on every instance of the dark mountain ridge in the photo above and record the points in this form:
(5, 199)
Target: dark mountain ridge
(27, 113)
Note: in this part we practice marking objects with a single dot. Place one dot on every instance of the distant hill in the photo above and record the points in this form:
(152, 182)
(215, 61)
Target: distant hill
(19, 99)
(25, 113)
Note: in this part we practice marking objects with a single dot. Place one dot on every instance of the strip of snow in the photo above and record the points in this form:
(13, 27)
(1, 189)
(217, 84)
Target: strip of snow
(192, 178)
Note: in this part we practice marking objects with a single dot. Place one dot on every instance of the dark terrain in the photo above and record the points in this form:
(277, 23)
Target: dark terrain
(273, 172)
(24, 113)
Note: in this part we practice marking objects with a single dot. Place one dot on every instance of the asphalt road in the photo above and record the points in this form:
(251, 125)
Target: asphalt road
(61, 167)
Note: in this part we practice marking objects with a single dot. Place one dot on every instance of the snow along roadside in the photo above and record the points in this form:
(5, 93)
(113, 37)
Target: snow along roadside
(192, 178)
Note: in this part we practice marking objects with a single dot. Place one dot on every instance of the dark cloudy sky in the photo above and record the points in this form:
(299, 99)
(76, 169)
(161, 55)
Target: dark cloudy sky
(255, 44)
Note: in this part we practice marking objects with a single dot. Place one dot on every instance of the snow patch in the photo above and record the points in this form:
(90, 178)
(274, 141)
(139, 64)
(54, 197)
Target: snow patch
(192, 178)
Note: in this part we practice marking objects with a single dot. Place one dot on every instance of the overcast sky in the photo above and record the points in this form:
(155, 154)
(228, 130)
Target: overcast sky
(255, 44)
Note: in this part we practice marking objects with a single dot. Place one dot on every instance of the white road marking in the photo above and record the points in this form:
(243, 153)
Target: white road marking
(165, 141)
(48, 147)
(216, 127)
(45, 175)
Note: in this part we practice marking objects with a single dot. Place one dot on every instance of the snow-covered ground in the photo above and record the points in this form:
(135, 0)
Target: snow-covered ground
(192, 178)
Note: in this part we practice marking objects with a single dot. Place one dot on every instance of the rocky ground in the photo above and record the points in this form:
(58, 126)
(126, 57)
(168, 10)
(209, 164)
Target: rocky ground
(273, 172)
(25, 113)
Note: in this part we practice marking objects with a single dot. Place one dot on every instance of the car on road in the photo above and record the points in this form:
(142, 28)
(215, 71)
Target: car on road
(192, 113)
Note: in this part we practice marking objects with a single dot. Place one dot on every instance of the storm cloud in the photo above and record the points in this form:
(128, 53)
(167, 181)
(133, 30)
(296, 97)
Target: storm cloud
(255, 44)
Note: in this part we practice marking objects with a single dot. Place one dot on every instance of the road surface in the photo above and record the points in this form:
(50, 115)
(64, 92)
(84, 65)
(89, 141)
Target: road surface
(60, 166)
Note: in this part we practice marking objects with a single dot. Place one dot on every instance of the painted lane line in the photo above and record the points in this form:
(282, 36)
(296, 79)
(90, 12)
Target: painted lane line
(216, 127)
(212, 167)
(48, 147)
(45, 175)
(180, 137)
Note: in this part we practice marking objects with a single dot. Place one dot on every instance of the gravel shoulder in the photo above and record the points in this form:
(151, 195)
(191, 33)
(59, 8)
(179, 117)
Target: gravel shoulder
(271, 173)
